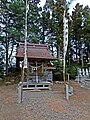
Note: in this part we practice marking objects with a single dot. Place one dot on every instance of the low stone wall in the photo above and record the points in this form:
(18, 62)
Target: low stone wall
(86, 83)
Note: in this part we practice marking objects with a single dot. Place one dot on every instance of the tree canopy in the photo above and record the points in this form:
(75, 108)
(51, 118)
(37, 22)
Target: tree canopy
(45, 25)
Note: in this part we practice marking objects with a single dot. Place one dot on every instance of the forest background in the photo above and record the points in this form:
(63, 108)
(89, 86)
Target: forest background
(45, 26)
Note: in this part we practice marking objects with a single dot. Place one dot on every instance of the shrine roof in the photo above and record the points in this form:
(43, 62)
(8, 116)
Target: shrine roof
(35, 51)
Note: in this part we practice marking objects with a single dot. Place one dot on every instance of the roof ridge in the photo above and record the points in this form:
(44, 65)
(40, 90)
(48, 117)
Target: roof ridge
(33, 44)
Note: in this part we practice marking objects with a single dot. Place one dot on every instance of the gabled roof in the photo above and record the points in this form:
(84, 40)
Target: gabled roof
(35, 51)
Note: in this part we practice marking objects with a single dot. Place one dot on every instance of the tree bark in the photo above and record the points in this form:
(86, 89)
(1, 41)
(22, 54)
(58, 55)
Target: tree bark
(7, 46)
(58, 51)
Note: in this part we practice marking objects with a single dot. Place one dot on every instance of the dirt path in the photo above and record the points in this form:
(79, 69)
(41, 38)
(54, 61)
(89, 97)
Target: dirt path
(45, 105)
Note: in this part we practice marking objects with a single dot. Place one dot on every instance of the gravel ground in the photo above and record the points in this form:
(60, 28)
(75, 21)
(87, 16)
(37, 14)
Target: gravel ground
(44, 104)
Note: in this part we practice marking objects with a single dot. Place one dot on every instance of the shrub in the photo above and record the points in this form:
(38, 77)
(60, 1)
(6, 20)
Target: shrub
(72, 70)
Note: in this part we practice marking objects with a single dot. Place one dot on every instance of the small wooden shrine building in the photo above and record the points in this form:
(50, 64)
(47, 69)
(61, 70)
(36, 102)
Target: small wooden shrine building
(39, 73)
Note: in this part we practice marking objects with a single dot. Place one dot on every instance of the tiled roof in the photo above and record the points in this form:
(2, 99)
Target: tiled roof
(35, 51)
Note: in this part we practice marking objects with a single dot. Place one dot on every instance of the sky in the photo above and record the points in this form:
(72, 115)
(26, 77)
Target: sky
(82, 2)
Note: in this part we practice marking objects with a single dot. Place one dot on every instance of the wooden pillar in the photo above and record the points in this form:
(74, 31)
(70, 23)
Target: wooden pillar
(32, 69)
(22, 73)
(42, 67)
(45, 67)
(36, 73)
(17, 64)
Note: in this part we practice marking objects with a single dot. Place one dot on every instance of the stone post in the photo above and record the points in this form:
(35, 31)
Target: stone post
(20, 92)
(67, 92)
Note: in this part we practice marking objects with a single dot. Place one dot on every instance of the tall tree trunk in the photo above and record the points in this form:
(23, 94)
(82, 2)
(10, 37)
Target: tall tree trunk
(43, 36)
(6, 54)
(89, 55)
(76, 51)
(11, 50)
(58, 50)
(79, 54)
(82, 57)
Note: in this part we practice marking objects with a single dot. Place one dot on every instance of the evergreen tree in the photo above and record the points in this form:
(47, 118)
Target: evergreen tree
(77, 32)
(13, 20)
(86, 33)
(34, 24)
